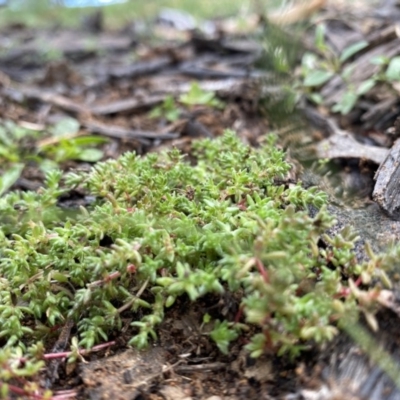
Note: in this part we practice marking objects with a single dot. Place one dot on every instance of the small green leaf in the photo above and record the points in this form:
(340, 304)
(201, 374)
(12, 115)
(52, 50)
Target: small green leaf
(317, 78)
(379, 60)
(347, 72)
(90, 155)
(59, 277)
(222, 335)
(156, 112)
(309, 61)
(9, 153)
(10, 176)
(168, 109)
(89, 140)
(320, 37)
(352, 49)
(48, 165)
(172, 115)
(67, 126)
(393, 69)
(316, 98)
(346, 104)
(198, 96)
(366, 86)
(170, 301)
(206, 318)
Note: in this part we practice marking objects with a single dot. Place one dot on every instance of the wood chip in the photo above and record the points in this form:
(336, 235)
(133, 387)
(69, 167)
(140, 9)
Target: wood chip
(343, 145)
(387, 189)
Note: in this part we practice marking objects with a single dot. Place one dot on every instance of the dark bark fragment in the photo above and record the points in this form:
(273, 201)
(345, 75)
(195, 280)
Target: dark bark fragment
(387, 188)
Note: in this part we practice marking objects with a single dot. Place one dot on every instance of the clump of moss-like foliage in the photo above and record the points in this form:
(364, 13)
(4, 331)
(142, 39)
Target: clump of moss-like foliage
(161, 228)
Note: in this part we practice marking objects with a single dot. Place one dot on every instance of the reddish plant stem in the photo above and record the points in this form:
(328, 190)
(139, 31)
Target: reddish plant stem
(65, 394)
(19, 391)
(346, 291)
(262, 270)
(51, 356)
(239, 314)
(108, 278)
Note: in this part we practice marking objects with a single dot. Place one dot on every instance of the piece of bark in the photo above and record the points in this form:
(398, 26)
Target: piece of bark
(69, 44)
(378, 111)
(200, 72)
(221, 67)
(119, 132)
(379, 36)
(223, 87)
(141, 68)
(341, 34)
(125, 105)
(196, 129)
(387, 188)
(20, 93)
(326, 125)
(343, 145)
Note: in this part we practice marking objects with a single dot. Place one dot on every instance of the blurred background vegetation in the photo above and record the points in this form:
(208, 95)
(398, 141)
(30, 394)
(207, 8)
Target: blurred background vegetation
(47, 12)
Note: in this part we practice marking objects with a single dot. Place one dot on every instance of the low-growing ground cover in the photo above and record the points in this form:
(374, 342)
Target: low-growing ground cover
(166, 226)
